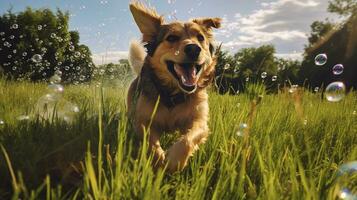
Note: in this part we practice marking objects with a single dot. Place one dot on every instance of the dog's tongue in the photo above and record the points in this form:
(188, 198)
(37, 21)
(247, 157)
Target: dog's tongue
(187, 74)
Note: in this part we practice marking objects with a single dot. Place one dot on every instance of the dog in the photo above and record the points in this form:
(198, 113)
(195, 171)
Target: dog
(174, 65)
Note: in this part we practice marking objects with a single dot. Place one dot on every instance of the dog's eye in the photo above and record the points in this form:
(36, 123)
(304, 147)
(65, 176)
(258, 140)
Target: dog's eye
(200, 37)
(173, 38)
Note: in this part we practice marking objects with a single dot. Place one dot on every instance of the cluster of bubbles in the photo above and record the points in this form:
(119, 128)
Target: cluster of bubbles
(52, 104)
(335, 91)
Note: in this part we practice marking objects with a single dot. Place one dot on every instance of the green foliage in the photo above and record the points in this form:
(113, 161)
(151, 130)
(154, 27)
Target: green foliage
(338, 42)
(343, 7)
(247, 65)
(113, 74)
(288, 155)
(319, 29)
(42, 32)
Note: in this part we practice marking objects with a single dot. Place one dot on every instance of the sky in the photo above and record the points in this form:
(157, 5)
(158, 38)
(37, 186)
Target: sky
(107, 26)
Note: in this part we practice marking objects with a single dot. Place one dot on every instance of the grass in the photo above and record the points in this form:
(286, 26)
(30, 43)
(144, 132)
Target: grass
(291, 149)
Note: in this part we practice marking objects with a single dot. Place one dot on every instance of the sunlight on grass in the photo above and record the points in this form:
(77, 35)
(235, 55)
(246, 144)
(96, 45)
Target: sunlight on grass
(291, 148)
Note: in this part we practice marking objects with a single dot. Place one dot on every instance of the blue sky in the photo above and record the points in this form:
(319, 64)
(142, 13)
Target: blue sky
(106, 26)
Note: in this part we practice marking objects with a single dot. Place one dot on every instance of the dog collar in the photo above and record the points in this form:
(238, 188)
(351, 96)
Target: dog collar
(166, 97)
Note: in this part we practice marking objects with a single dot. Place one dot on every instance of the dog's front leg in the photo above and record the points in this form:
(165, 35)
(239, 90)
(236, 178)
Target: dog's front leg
(179, 153)
(154, 144)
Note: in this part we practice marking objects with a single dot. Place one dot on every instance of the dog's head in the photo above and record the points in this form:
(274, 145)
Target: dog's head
(181, 54)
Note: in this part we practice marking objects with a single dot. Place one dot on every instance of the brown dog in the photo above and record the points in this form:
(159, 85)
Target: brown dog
(177, 68)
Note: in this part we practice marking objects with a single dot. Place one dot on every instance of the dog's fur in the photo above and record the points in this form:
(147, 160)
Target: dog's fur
(177, 72)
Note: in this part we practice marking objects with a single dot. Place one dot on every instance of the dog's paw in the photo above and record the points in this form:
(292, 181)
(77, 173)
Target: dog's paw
(178, 155)
(159, 158)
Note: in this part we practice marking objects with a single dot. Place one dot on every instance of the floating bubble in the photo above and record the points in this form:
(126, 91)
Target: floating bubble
(55, 79)
(7, 44)
(2, 122)
(354, 112)
(305, 122)
(39, 27)
(274, 78)
(241, 129)
(263, 75)
(335, 91)
(82, 77)
(58, 73)
(56, 91)
(227, 66)
(66, 68)
(12, 37)
(177, 53)
(36, 58)
(320, 59)
(2, 33)
(53, 35)
(23, 117)
(347, 194)
(337, 69)
(15, 26)
(316, 89)
(71, 48)
(247, 79)
(77, 54)
(293, 89)
(346, 175)
(347, 168)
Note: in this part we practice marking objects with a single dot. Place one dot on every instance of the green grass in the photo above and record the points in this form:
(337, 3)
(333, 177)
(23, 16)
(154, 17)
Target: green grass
(292, 149)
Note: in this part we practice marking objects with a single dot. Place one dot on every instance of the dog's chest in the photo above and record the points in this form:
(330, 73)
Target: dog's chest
(178, 118)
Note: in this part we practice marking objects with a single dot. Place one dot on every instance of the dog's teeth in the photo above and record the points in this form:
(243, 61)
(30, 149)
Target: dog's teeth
(183, 79)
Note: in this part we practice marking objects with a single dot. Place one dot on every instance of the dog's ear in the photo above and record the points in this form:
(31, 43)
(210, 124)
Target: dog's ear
(148, 20)
(208, 23)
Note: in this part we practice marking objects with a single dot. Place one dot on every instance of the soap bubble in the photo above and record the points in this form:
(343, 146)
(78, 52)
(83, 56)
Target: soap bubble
(55, 90)
(320, 59)
(2, 122)
(39, 27)
(346, 175)
(335, 91)
(337, 69)
(58, 73)
(263, 75)
(274, 78)
(77, 54)
(71, 48)
(15, 26)
(293, 89)
(36, 58)
(316, 89)
(227, 66)
(55, 79)
(23, 117)
(241, 129)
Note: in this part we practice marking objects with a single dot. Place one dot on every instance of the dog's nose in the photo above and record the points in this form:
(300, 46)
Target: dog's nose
(192, 51)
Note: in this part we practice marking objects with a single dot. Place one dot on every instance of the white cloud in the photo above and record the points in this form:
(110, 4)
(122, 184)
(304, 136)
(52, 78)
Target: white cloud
(293, 56)
(284, 23)
(109, 57)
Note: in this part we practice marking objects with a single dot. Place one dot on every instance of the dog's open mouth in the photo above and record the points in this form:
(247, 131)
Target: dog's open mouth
(187, 74)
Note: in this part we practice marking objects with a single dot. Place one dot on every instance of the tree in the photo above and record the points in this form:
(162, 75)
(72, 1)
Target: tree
(343, 7)
(339, 42)
(37, 42)
(232, 72)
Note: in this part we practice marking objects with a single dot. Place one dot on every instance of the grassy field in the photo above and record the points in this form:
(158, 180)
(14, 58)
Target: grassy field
(291, 149)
